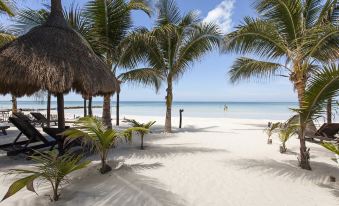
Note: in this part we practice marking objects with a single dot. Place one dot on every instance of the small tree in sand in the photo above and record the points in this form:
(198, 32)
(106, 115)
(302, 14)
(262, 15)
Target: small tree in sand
(95, 134)
(270, 130)
(141, 128)
(51, 168)
(286, 131)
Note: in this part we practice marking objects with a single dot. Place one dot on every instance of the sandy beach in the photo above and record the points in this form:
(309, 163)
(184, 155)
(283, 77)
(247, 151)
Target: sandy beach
(211, 161)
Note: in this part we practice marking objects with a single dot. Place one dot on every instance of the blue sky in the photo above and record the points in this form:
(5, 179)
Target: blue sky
(207, 79)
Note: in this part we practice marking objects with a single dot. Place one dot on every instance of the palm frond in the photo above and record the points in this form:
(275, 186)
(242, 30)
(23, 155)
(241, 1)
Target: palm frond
(261, 37)
(246, 68)
(321, 87)
(7, 7)
(27, 19)
(284, 13)
(168, 12)
(203, 38)
(5, 36)
(144, 76)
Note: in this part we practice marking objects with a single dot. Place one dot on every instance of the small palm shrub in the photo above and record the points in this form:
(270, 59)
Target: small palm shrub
(95, 135)
(286, 131)
(141, 128)
(51, 168)
(270, 130)
(333, 148)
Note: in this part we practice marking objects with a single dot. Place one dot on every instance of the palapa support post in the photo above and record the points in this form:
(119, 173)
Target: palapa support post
(85, 107)
(118, 109)
(180, 122)
(90, 112)
(49, 109)
(61, 111)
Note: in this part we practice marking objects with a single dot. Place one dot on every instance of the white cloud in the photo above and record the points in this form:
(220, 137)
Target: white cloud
(222, 15)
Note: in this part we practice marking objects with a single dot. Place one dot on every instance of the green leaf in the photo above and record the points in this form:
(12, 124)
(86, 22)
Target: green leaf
(21, 183)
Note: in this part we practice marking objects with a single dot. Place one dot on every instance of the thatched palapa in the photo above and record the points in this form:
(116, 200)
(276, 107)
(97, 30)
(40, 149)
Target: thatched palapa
(55, 58)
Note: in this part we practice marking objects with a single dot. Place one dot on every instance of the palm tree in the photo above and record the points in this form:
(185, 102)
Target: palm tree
(51, 168)
(142, 76)
(295, 31)
(141, 128)
(110, 22)
(174, 44)
(96, 135)
(321, 86)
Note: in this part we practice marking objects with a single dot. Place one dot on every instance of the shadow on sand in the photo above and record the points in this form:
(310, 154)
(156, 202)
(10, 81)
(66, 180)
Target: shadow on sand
(289, 169)
(121, 187)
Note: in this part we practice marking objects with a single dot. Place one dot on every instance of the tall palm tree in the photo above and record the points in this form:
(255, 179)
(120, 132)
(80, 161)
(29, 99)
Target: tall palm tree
(131, 74)
(290, 36)
(174, 44)
(110, 22)
(322, 86)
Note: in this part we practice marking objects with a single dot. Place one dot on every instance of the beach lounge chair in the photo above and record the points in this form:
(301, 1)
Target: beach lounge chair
(3, 129)
(35, 139)
(23, 117)
(41, 119)
(326, 132)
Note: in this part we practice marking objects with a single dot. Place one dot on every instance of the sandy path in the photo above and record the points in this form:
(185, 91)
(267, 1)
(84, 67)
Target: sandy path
(215, 162)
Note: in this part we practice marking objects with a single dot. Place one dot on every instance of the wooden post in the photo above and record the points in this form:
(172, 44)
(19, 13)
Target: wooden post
(90, 112)
(180, 123)
(49, 109)
(118, 109)
(14, 104)
(85, 107)
(61, 111)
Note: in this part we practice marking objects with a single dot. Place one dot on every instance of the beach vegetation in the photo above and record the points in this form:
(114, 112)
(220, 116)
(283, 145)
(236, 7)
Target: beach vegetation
(140, 128)
(271, 129)
(95, 135)
(50, 168)
(110, 21)
(6, 7)
(324, 84)
(286, 131)
(290, 38)
(173, 45)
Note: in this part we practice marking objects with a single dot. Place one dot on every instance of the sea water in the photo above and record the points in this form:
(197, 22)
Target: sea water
(244, 110)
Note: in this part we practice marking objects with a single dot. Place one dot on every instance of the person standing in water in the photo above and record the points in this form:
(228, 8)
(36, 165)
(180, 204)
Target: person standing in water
(225, 108)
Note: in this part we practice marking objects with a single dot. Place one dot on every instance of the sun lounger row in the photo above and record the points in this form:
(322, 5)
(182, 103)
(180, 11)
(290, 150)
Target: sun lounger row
(35, 140)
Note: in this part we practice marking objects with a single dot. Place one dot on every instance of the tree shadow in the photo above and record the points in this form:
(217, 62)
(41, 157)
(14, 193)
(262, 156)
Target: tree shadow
(121, 187)
(157, 152)
(319, 175)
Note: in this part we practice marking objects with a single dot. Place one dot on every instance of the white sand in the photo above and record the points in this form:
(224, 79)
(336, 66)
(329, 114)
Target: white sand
(210, 162)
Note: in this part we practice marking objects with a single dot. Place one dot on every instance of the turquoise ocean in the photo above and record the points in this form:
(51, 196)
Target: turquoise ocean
(244, 110)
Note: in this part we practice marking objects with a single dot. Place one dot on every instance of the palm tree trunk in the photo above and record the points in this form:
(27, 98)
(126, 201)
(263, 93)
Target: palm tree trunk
(61, 111)
(304, 163)
(329, 111)
(106, 111)
(14, 104)
(169, 100)
(118, 109)
(90, 111)
(49, 109)
(85, 107)
(142, 142)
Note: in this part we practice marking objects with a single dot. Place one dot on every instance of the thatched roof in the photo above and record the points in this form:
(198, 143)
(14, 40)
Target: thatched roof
(55, 58)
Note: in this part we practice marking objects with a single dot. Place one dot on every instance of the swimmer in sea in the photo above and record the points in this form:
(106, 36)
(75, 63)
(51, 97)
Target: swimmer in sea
(225, 108)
